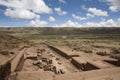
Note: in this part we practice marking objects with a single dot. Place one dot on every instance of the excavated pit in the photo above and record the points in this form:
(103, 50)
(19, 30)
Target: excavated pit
(32, 61)
(54, 60)
(60, 52)
(83, 67)
(116, 63)
(78, 65)
(20, 64)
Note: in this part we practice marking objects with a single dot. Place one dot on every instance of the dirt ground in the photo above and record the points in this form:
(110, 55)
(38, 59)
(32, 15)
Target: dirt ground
(40, 62)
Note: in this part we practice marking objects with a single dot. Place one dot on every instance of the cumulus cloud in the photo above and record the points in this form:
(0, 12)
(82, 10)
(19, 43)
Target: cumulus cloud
(63, 1)
(37, 6)
(113, 8)
(60, 12)
(107, 23)
(98, 12)
(69, 23)
(92, 12)
(114, 5)
(51, 19)
(21, 13)
(25, 9)
(37, 23)
(89, 15)
(79, 17)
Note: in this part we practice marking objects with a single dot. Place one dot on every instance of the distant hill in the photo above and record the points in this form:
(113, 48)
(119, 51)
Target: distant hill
(61, 31)
(32, 33)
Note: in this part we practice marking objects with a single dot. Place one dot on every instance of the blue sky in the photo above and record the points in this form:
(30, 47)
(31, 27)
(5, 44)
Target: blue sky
(60, 13)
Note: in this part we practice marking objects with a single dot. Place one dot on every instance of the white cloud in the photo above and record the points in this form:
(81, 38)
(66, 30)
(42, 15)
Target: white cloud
(89, 15)
(60, 12)
(113, 8)
(114, 5)
(25, 9)
(69, 23)
(63, 1)
(21, 13)
(51, 19)
(78, 17)
(37, 23)
(92, 12)
(37, 6)
(107, 23)
(98, 12)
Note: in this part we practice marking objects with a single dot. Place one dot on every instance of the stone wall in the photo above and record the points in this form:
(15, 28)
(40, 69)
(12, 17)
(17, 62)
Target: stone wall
(59, 52)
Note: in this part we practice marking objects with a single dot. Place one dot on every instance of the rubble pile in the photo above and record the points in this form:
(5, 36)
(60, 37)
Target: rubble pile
(47, 61)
